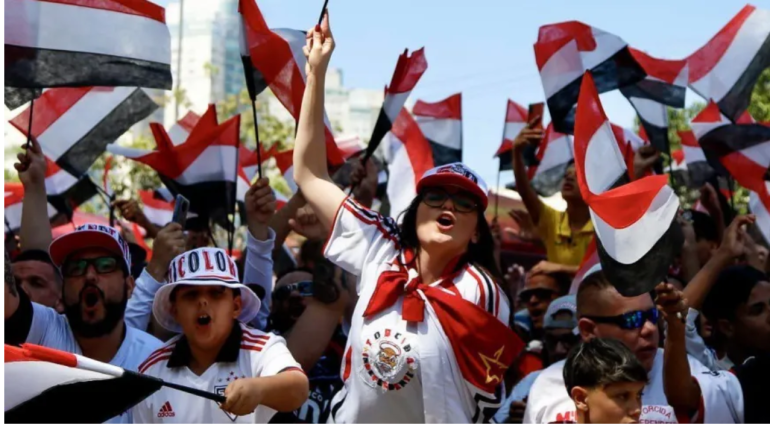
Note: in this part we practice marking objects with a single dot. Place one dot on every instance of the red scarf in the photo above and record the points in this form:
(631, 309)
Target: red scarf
(483, 346)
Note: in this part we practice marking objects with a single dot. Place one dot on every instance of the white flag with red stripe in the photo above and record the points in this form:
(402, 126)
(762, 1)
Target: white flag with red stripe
(442, 124)
(553, 156)
(74, 125)
(515, 121)
(285, 162)
(634, 221)
(727, 67)
(698, 168)
(74, 43)
(408, 156)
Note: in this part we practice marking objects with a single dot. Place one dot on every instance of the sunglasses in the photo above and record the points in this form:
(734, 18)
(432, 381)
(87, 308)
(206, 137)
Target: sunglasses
(102, 265)
(437, 197)
(539, 293)
(630, 320)
(305, 289)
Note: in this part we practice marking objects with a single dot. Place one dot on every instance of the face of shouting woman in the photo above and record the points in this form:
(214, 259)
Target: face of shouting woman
(447, 219)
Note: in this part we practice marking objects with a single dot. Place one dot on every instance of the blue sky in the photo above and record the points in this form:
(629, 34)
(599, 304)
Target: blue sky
(484, 48)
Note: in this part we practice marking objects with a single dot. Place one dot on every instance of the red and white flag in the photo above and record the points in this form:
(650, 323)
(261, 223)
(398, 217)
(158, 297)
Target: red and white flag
(157, 210)
(408, 156)
(564, 51)
(409, 70)
(74, 43)
(698, 168)
(740, 150)
(664, 86)
(14, 194)
(285, 162)
(553, 155)
(204, 169)
(276, 55)
(727, 67)
(515, 121)
(74, 125)
(633, 220)
(588, 264)
(442, 124)
(181, 130)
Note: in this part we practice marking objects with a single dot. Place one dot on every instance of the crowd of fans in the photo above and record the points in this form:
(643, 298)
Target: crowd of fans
(310, 342)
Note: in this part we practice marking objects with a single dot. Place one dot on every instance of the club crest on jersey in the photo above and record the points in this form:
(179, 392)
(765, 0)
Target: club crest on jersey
(220, 390)
(389, 360)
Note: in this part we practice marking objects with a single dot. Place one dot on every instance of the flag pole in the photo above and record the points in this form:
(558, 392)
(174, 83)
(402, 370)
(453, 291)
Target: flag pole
(29, 126)
(323, 12)
(256, 137)
(8, 225)
(234, 198)
(497, 191)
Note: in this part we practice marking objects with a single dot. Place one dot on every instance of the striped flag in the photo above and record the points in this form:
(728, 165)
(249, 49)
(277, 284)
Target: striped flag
(204, 169)
(588, 264)
(157, 210)
(278, 60)
(442, 124)
(553, 156)
(408, 157)
(634, 221)
(74, 125)
(285, 162)
(515, 121)
(74, 43)
(409, 70)
(66, 192)
(698, 168)
(183, 127)
(564, 51)
(664, 86)
(14, 194)
(739, 150)
(16, 97)
(727, 67)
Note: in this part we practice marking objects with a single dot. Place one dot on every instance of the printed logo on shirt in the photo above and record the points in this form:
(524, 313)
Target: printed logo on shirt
(389, 360)
(166, 410)
(565, 417)
(219, 389)
(658, 414)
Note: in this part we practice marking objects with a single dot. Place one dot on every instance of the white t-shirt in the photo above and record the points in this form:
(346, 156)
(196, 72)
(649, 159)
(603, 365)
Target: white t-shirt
(396, 371)
(721, 396)
(51, 329)
(248, 353)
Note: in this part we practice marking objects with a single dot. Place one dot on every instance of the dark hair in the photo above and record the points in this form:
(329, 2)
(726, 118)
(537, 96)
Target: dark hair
(292, 270)
(39, 256)
(563, 281)
(704, 226)
(9, 280)
(587, 288)
(601, 362)
(311, 251)
(480, 254)
(731, 289)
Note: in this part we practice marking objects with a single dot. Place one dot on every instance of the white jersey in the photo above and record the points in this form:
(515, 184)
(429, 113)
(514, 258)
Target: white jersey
(721, 397)
(248, 353)
(51, 329)
(396, 371)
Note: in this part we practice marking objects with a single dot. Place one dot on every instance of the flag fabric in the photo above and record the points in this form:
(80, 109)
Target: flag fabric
(66, 192)
(278, 58)
(698, 168)
(636, 233)
(74, 43)
(664, 86)
(408, 156)
(249, 161)
(409, 70)
(587, 264)
(442, 124)
(43, 385)
(515, 121)
(350, 146)
(74, 125)
(183, 127)
(16, 97)
(204, 169)
(759, 205)
(553, 156)
(157, 210)
(14, 194)
(726, 68)
(564, 51)
(628, 143)
(739, 150)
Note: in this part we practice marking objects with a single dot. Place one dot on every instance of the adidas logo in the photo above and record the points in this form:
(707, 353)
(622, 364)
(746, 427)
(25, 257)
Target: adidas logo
(166, 410)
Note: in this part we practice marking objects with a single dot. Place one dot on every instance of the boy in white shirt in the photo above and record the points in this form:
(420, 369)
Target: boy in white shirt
(205, 301)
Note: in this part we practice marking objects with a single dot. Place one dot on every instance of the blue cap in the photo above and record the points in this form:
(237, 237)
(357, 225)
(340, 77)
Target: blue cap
(566, 303)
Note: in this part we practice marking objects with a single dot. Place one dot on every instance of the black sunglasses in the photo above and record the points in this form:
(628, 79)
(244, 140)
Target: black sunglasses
(437, 197)
(539, 293)
(629, 320)
(305, 289)
(102, 265)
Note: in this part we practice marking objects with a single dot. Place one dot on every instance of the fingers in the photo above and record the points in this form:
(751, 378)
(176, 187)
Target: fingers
(318, 38)
(743, 220)
(534, 122)
(325, 25)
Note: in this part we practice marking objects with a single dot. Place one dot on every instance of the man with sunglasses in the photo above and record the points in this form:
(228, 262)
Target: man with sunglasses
(604, 313)
(94, 261)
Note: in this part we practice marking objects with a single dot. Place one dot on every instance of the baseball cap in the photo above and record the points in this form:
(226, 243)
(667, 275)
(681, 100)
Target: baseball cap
(457, 174)
(566, 303)
(87, 236)
(202, 267)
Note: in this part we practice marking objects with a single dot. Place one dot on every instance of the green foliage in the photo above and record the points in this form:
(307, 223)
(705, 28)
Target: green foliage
(759, 107)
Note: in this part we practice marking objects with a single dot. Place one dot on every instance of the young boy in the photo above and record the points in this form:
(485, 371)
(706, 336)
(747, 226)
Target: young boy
(216, 351)
(605, 381)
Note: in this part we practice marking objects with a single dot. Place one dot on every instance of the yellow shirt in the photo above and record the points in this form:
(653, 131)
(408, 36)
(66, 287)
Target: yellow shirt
(561, 245)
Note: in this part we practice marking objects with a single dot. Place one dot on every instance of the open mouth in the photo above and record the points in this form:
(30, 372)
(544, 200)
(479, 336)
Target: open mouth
(445, 221)
(90, 296)
(204, 320)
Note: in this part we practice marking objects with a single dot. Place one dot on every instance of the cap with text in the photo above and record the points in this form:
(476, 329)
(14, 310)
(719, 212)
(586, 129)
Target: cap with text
(458, 175)
(87, 236)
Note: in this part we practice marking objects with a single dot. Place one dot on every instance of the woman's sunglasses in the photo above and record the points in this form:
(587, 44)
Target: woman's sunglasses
(102, 265)
(305, 289)
(437, 197)
(630, 320)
